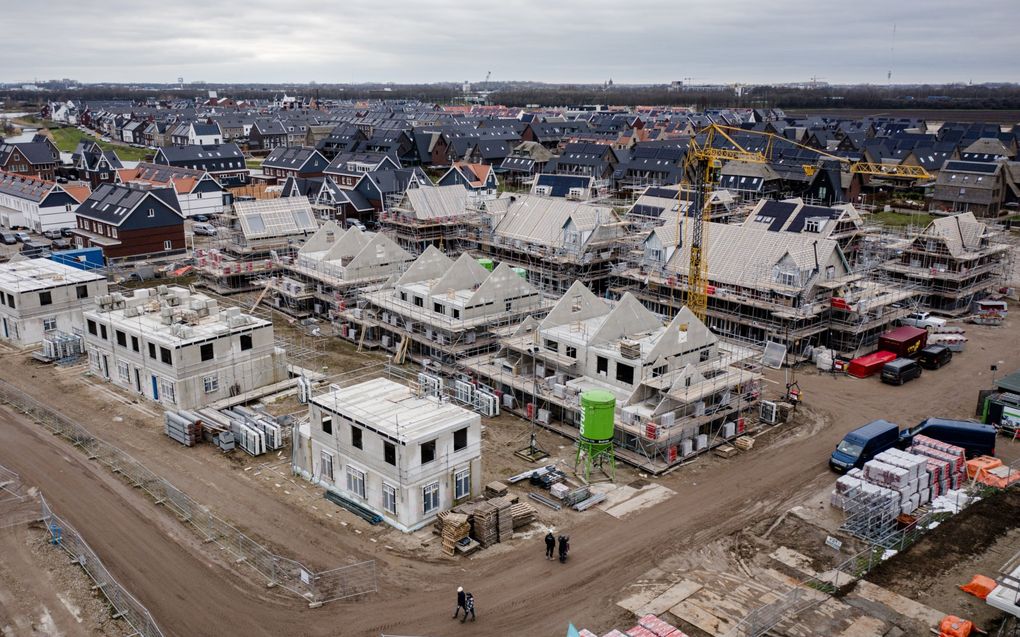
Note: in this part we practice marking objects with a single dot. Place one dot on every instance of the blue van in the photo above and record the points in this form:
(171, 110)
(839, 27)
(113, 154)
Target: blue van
(863, 444)
(975, 438)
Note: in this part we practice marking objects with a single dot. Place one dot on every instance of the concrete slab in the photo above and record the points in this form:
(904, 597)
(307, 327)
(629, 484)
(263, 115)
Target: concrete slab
(626, 500)
(902, 605)
(794, 559)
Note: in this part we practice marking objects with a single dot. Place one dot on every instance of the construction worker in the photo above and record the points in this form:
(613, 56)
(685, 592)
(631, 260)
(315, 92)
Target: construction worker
(461, 603)
(564, 547)
(469, 607)
(550, 544)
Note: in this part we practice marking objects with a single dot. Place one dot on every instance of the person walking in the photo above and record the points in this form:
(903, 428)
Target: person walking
(469, 607)
(461, 603)
(564, 547)
(550, 544)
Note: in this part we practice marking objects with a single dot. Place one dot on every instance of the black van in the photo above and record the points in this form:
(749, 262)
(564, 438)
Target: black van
(934, 356)
(976, 439)
(900, 371)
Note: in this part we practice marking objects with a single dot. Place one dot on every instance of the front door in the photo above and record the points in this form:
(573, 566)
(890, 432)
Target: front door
(6, 334)
(138, 381)
(155, 388)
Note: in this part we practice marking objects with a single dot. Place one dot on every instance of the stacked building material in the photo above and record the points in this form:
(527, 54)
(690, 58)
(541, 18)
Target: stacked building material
(916, 466)
(504, 516)
(485, 524)
(452, 527)
(495, 489)
(523, 514)
(589, 502)
(955, 456)
(559, 490)
(184, 430)
(577, 495)
(880, 500)
(658, 627)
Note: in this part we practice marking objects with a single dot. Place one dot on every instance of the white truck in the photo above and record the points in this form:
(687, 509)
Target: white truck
(923, 319)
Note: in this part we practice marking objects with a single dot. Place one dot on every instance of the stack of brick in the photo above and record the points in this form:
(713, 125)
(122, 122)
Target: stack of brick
(952, 455)
(856, 489)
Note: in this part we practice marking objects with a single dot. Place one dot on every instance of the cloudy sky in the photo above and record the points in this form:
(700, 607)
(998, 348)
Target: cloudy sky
(634, 41)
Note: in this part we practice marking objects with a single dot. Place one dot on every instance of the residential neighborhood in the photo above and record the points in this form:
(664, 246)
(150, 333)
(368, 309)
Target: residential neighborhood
(304, 333)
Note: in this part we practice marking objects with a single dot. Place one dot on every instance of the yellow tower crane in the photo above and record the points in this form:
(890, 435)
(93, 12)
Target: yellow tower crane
(701, 167)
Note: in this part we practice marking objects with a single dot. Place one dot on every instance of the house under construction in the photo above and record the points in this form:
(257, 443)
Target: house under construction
(431, 216)
(249, 237)
(330, 269)
(679, 389)
(781, 276)
(955, 261)
(441, 310)
(555, 241)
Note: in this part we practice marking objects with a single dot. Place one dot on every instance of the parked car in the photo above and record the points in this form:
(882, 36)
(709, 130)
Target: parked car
(923, 319)
(8, 238)
(934, 356)
(354, 223)
(51, 234)
(201, 218)
(35, 250)
(863, 444)
(206, 229)
(23, 237)
(61, 244)
(67, 232)
(900, 371)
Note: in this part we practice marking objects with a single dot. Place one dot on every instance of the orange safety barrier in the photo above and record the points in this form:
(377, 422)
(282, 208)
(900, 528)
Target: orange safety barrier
(953, 626)
(979, 586)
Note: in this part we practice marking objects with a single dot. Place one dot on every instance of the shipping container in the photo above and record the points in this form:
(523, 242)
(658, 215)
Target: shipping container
(906, 341)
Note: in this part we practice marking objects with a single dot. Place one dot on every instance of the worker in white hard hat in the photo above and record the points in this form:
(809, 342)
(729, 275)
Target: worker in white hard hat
(461, 603)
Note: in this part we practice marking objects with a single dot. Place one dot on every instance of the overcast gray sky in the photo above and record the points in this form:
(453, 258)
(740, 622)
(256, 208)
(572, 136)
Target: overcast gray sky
(633, 41)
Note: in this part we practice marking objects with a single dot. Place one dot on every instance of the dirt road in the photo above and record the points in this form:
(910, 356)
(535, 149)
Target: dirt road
(517, 591)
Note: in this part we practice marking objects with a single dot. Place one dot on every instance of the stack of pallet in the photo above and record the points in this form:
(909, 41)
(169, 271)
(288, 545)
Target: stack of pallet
(495, 489)
(505, 519)
(452, 527)
(485, 524)
(523, 514)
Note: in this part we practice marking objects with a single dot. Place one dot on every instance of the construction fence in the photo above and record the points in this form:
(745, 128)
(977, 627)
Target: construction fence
(125, 606)
(317, 587)
(816, 590)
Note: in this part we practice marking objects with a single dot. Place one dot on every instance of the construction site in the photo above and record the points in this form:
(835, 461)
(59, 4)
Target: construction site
(339, 425)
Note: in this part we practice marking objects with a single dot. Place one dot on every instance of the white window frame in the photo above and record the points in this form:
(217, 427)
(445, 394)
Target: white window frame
(356, 479)
(326, 465)
(389, 498)
(124, 372)
(430, 496)
(211, 383)
(167, 391)
(168, 245)
(49, 323)
(462, 484)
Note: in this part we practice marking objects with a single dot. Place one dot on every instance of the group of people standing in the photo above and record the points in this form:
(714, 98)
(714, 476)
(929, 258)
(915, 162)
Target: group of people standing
(466, 601)
(550, 546)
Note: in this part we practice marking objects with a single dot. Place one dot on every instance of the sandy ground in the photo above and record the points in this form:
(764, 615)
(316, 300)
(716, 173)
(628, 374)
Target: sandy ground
(190, 589)
(44, 593)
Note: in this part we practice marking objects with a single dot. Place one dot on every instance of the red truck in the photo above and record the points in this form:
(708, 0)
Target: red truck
(905, 342)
